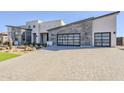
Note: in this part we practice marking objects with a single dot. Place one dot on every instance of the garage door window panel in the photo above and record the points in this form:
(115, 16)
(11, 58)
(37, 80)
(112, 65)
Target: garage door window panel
(69, 39)
(102, 39)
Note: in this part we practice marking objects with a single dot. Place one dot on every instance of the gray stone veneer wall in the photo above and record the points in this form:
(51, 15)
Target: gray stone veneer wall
(84, 28)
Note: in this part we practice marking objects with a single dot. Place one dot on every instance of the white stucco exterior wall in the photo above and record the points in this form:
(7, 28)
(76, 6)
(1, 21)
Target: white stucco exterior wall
(50, 24)
(34, 30)
(41, 27)
(44, 26)
(105, 24)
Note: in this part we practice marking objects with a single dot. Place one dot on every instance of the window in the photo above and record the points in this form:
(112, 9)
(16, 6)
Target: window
(102, 39)
(29, 26)
(33, 26)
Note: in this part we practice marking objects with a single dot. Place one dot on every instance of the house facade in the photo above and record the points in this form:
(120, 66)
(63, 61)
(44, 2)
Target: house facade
(39, 29)
(33, 32)
(92, 32)
(19, 34)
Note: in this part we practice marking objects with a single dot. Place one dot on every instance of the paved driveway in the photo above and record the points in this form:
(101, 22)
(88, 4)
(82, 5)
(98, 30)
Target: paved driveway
(66, 64)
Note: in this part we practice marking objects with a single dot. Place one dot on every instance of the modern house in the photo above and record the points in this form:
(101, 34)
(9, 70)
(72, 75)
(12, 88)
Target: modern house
(39, 29)
(91, 32)
(33, 32)
(19, 34)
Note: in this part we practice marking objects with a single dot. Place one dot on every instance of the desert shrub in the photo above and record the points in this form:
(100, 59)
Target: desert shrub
(38, 44)
(44, 45)
(6, 43)
(33, 43)
(27, 43)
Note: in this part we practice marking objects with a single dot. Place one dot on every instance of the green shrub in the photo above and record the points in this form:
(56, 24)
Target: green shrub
(27, 43)
(44, 45)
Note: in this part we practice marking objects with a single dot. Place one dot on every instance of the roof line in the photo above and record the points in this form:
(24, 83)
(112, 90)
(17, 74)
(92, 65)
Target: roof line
(107, 15)
(91, 18)
(17, 27)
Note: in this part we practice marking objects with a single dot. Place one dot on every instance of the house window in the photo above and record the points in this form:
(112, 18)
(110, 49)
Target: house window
(29, 26)
(33, 26)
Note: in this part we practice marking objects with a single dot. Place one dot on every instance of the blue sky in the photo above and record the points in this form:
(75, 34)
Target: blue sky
(20, 17)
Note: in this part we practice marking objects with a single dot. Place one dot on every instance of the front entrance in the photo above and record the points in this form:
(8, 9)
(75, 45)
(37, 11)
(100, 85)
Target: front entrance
(34, 37)
(68, 39)
(43, 38)
(102, 39)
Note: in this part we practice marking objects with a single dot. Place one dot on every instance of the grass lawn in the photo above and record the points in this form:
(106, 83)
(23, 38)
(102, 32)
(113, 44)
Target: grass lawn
(5, 56)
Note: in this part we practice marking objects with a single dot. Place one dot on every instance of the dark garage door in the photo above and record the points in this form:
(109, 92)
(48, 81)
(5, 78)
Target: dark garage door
(70, 39)
(102, 39)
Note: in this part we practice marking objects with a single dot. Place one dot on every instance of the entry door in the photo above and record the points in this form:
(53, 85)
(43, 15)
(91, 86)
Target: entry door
(34, 37)
(43, 38)
(102, 39)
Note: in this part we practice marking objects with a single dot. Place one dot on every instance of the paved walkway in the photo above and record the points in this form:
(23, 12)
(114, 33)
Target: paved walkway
(70, 64)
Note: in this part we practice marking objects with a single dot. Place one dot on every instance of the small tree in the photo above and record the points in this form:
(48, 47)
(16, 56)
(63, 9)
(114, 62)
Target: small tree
(0, 43)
